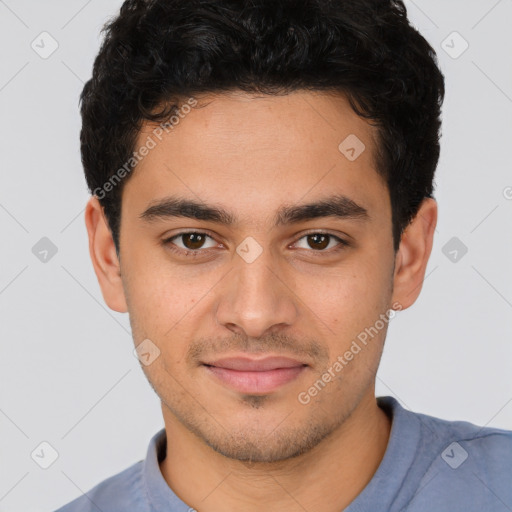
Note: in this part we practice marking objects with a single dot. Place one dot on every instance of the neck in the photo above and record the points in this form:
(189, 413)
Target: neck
(326, 478)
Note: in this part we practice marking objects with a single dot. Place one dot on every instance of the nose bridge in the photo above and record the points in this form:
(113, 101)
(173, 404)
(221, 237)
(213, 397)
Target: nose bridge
(255, 298)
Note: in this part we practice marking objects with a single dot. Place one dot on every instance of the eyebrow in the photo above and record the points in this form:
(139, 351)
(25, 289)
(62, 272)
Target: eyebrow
(338, 206)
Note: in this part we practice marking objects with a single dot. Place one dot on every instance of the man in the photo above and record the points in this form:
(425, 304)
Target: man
(263, 204)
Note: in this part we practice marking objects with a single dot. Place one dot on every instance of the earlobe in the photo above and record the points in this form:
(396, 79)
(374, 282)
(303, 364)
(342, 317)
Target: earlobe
(104, 257)
(413, 254)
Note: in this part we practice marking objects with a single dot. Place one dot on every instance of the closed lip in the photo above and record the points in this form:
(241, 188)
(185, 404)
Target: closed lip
(246, 364)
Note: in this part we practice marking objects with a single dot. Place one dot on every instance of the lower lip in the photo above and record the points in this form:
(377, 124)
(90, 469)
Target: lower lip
(256, 382)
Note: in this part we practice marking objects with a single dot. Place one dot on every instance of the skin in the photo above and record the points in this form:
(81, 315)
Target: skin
(252, 155)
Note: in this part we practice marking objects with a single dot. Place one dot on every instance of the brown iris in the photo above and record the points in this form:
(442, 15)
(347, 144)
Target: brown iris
(193, 241)
(318, 241)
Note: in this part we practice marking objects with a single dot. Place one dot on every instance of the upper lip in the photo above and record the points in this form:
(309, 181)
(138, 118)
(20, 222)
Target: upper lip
(255, 365)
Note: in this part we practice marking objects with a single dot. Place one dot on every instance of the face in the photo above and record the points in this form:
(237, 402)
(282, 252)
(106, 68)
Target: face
(251, 272)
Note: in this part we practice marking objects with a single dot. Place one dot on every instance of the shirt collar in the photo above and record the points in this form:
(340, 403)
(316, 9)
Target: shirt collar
(383, 489)
(160, 496)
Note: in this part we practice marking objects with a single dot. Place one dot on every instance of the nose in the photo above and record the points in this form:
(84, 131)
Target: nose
(256, 298)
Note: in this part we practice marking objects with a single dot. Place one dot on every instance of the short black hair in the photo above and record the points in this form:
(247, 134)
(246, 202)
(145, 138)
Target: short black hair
(157, 53)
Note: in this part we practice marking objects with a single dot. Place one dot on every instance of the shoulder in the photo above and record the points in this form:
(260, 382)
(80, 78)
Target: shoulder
(118, 493)
(444, 438)
(436, 464)
(465, 441)
(470, 466)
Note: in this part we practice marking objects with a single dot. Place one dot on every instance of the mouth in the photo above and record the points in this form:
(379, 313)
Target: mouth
(255, 376)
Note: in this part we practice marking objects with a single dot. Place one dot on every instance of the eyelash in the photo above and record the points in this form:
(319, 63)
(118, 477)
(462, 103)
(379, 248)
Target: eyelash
(193, 254)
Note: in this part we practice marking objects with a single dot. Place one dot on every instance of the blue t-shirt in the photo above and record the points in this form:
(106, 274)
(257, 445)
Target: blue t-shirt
(430, 465)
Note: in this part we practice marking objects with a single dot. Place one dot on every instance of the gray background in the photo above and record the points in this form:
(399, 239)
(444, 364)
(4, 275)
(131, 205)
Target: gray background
(68, 375)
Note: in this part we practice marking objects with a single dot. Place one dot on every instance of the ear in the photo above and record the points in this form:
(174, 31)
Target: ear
(413, 254)
(103, 256)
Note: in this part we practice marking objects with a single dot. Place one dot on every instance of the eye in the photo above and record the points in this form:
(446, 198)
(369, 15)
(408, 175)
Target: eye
(191, 241)
(321, 241)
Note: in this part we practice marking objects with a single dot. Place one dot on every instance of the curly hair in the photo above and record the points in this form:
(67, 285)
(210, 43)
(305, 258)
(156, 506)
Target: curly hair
(156, 53)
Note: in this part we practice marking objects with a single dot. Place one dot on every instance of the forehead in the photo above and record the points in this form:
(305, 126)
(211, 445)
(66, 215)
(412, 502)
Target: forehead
(255, 151)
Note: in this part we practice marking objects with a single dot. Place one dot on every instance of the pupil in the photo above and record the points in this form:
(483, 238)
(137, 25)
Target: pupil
(320, 241)
(195, 240)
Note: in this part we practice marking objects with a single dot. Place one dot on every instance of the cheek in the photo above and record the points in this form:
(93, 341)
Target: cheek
(350, 295)
(164, 298)
(347, 307)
